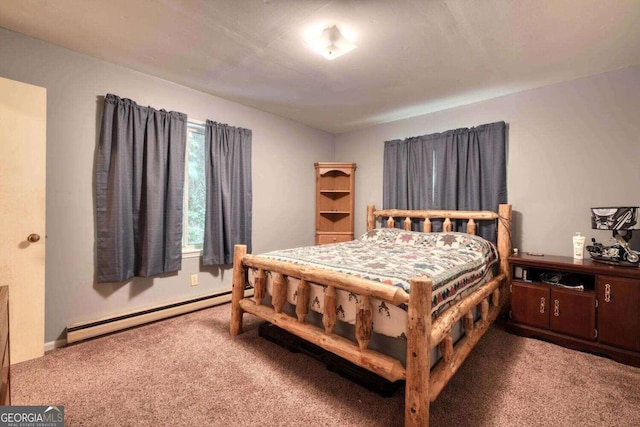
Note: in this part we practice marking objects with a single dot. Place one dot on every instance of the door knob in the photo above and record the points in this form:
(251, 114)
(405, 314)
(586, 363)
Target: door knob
(33, 237)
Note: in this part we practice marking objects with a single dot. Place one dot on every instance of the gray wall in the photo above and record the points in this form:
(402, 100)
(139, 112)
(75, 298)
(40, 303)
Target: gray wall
(283, 177)
(572, 146)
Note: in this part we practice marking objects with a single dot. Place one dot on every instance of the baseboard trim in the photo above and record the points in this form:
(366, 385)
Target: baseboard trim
(85, 330)
(52, 345)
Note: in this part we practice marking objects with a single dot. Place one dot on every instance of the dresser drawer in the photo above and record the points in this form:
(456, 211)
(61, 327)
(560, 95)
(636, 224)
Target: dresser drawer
(323, 239)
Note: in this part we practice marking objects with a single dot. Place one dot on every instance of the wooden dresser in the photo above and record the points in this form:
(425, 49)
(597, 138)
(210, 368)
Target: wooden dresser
(602, 316)
(5, 390)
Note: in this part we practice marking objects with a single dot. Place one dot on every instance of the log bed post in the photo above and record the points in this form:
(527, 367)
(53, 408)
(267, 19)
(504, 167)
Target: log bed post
(279, 292)
(467, 323)
(237, 289)
(416, 411)
(364, 323)
(371, 218)
(259, 286)
(302, 301)
(329, 315)
(484, 310)
(471, 226)
(504, 248)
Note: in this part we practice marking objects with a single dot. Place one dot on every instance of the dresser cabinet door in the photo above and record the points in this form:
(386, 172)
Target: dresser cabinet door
(573, 313)
(530, 304)
(619, 312)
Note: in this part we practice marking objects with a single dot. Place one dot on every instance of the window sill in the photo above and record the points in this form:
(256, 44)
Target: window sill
(191, 253)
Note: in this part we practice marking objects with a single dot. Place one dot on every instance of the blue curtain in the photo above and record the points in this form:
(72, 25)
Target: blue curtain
(395, 177)
(462, 169)
(228, 214)
(139, 190)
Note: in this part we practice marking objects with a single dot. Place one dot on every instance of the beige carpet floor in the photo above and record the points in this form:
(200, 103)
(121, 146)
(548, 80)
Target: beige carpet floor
(188, 371)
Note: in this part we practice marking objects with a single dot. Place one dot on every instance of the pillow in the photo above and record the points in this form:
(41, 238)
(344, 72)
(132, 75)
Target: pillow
(399, 236)
(387, 235)
(444, 240)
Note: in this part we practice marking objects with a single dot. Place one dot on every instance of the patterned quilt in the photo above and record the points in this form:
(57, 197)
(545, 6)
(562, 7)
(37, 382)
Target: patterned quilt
(455, 262)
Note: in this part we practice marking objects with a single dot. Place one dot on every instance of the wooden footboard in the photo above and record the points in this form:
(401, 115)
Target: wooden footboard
(357, 353)
(423, 384)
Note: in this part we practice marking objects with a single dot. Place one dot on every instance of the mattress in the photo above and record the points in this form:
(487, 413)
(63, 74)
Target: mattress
(456, 263)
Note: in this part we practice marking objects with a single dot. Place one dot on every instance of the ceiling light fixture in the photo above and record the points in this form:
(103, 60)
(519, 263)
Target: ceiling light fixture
(330, 43)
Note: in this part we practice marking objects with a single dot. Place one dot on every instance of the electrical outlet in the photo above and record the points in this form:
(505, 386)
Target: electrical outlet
(194, 280)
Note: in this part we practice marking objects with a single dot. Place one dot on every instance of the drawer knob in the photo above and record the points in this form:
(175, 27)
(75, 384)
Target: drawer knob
(607, 292)
(542, 300)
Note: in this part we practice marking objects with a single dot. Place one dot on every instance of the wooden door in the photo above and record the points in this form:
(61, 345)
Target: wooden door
(530, 304)
(573, 313)
(22, 213)
(619, 311)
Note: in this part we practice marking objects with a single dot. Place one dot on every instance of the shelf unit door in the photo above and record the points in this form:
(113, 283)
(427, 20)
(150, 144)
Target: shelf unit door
(619, 312)
(573, 313)
(530, 304)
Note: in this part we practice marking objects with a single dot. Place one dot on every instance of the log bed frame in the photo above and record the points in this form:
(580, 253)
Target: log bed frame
(422, 383)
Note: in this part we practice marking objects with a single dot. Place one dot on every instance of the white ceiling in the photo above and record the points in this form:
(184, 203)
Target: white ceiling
(414, 56)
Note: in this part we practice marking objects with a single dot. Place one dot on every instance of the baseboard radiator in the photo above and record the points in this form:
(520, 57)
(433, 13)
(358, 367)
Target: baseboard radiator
(85, 330)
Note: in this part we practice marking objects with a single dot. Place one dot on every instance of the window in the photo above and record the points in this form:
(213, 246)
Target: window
(464, 169)
(194, 191)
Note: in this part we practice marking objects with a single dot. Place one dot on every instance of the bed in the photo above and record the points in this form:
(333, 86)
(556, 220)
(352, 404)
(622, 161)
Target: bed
(430, 317)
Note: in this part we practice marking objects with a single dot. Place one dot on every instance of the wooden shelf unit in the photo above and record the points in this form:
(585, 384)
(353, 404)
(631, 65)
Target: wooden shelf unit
(334, 202)
(604, 318)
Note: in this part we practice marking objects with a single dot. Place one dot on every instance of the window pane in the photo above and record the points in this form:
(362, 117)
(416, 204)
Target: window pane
(196, 186)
